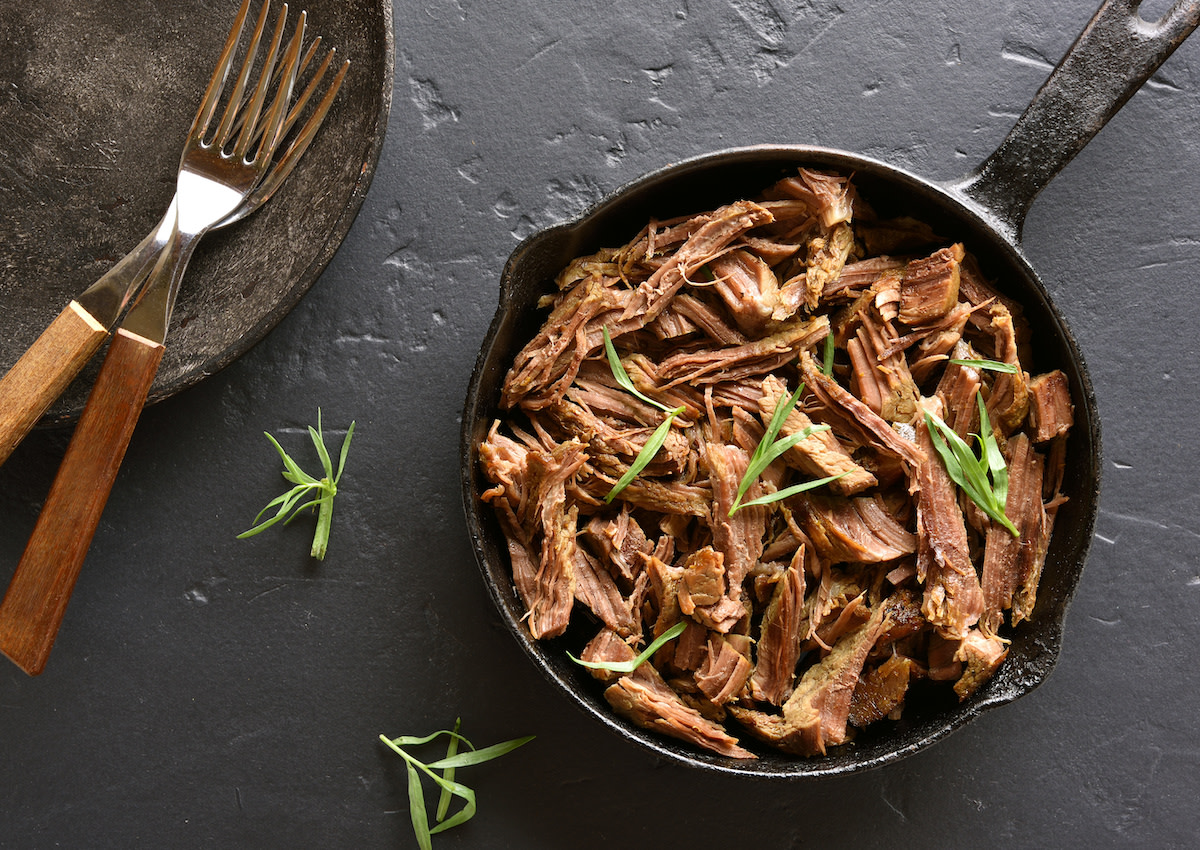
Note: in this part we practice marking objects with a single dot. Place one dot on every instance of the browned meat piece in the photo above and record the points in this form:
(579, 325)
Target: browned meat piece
(815, 715)
(723, 615)
(781, 633)
(607, 647)
(544, 368)
(882, 379)
(724, 671)
(953, 599)
(981, 656)
(855, 417)
(597, 390)
(703, 580)
(819, 455)
(710, 366)
(929, 288)
(880, 692)
(740, 537)
(663, 711)
(904, 618)
(827, 195)
(612, 448)
(826, 258)
(665, 581)
(723, 226)
(748, 287)
(661, 495)
(1009, 401)
(1051, 413)
(956, 391)
(703, 317)
(595, 588)
(554, 588)
(691, 648)
(860, 276)
(854, 529)
(1010, 563)
(618, 542)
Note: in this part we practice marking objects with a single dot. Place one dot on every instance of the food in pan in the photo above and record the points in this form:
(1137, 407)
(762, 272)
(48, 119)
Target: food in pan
(803, 442)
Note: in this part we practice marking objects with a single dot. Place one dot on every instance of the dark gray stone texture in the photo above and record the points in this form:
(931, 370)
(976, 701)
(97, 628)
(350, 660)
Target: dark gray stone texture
(206, 691)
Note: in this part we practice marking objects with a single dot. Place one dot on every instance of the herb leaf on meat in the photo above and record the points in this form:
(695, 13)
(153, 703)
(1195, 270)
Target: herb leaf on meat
(993, 365)
(827, 363)
(446, 782)
(629, 666)
(985, 478)
(654, 443)
(769, 448)
(320, 490)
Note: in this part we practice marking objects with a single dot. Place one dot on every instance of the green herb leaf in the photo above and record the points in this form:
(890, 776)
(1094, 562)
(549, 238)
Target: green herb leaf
(993, 365)
(618, 370)
(649, 450)
(783, 409)
(827, 365)
(793, 490)
(771, 447)
(449, 787)
(629, 666)
(322, 490)
(448, 773)
(972, 473)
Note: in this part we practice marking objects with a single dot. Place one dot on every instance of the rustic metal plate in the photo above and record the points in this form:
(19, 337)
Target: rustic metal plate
(95, 101)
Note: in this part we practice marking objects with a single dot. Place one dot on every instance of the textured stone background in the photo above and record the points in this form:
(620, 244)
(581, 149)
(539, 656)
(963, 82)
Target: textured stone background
(206, 691)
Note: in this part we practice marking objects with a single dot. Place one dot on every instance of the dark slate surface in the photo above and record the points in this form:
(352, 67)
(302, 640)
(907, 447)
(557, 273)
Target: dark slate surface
(207, 691)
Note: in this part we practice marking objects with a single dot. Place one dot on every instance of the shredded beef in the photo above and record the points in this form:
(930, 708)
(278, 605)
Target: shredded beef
(816, 613)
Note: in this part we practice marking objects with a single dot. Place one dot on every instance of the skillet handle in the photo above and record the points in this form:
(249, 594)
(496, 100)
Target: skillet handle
(37, 597)
(1114, 55)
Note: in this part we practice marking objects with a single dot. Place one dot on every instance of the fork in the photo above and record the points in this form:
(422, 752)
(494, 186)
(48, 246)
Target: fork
(46, 368)
(219, 180)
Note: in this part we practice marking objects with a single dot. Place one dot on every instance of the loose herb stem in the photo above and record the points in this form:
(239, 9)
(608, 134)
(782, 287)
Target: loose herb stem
(446, 782)
(321, 490)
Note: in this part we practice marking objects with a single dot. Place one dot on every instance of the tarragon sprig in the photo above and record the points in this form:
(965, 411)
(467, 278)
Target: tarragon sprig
(449, 786)
(631, 665)
(992, 365)
(984, 478)
(320, 490)
(769, 448)
(656, 440)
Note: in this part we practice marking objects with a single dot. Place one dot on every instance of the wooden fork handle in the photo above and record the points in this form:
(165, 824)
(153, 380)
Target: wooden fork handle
(44, 371)
(37, 597)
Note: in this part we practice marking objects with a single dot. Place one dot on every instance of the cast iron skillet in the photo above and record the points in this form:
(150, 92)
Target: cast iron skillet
(1111, 59)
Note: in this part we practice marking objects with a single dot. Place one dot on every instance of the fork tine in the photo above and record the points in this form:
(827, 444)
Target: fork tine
(212, 95)
(294, 113)
(256, 103)
(232, 108)
(272, 129)
(306, 95)
(284, 164)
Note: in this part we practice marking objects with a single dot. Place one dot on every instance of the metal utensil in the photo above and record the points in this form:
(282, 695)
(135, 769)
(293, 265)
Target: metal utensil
(1115, 54)
(53, 360)
(216, 178)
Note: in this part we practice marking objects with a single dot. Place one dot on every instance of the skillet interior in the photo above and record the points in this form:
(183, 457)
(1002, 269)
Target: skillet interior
(701, 184)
